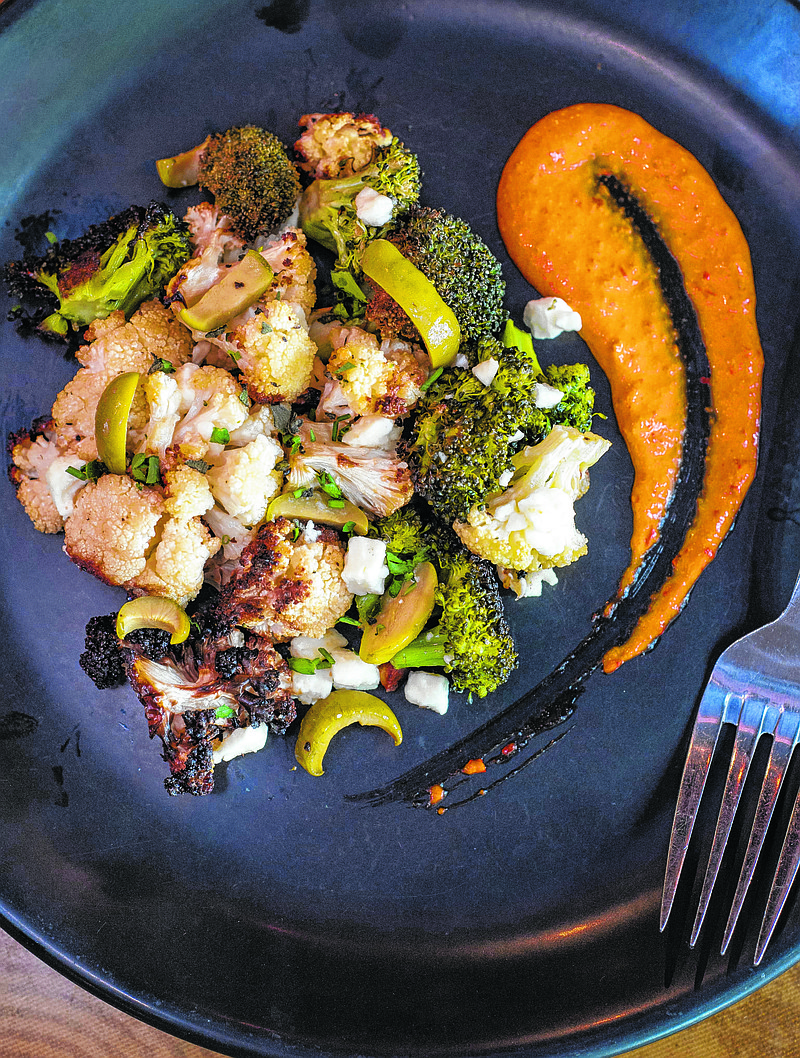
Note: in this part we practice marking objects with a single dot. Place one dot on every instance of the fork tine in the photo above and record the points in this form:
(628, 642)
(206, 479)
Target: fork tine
(695, 772)
(784, 742)
(781, 883)
(749, 729)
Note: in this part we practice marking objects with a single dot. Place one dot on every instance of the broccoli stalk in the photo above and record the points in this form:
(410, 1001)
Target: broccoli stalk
(114, 266)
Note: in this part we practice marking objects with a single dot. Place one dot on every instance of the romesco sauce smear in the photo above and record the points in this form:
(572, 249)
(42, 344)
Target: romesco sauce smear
(569, 239)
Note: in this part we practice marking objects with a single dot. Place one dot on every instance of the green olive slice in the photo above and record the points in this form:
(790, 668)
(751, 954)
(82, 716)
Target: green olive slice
(241, 286)
(153, 611)
(401, 618)
(328, 716)
(417, 296)
(111, 420)
(182, 170)
(316, 508)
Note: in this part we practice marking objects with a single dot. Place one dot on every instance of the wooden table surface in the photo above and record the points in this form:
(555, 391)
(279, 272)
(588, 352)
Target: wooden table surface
(42, 1015)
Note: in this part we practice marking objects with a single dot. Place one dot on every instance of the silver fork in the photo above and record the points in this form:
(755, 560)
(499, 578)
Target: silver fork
(754, 685)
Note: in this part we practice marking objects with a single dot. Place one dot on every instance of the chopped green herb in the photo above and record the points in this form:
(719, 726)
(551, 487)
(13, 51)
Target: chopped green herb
(89, 471)
(220, 436)
(336, 503)
(199, 465)
(266, 328)
(224, 712)
(344, 367)
(298, 493)
(51, 237)
(145, 469)
(296, 532)
(216, 333)
(348, 527)
(327, 484)
(244, 399)
(430, 379)
(312, 435)
(349, 621)
(161, 364)
(237, 356)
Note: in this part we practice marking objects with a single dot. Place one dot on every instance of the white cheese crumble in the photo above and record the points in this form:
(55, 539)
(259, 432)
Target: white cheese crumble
(64, 486)
(373, 431)
(486, 370)
(527, 585)
(309, 687)
(365, 570)
(546, 396)
(308, 647)
(549, 317)
(349, 671)
(240, 741)
(428, 689)
(373, 208)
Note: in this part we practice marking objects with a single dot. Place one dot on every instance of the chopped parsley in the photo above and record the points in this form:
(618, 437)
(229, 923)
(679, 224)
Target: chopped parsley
(145, 469)
(220, 436)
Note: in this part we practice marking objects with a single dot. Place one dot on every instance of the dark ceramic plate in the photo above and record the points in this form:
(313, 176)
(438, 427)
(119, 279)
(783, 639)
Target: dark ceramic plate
(275, 917)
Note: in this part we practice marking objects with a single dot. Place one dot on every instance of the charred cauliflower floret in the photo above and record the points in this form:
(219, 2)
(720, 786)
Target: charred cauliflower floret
(37, 470)
(286, 588)
(215, 246)
(244, 480)
(374, 379)
(375, 479)
(276, 355)
(113, 527)
(116, 346)
(295, 272)
(335, 145)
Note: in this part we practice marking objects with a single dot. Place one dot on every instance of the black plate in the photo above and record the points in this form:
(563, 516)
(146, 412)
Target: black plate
(275, 918)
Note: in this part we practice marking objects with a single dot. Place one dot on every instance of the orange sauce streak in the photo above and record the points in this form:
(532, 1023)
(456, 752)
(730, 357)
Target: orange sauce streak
(568, 240)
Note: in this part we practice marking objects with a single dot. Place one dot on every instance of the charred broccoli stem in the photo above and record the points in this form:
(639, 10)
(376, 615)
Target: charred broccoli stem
(251, 177)
(113, 266)
(460, 265)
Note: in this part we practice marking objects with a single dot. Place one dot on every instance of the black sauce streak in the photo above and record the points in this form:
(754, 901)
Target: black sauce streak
(288, 16)
(62, 801)
(552, 702)
(17, 725)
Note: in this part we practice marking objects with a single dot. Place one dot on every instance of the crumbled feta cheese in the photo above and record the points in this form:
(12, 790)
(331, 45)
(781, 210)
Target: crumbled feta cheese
(549, 317)
(505, 478)
(309, 687)
(365, 570)
(486, 370)
(240, 741)
(428, 689)
(546, 396)
(308, 647)
(460, 361)
(527, 585)
(373, 431)
(348, 670)
(373, 208)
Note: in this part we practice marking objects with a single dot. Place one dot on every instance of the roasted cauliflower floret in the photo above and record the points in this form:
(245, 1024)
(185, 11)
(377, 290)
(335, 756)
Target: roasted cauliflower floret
(215, 247)
(531, 524)
(113, 528)
(151, 334)
(244, 480)
(38, 471)
(210, 400)
(376, 480)
(276, 354)
(294, 268)
(286, 588)
(334, 145)
(374, 379)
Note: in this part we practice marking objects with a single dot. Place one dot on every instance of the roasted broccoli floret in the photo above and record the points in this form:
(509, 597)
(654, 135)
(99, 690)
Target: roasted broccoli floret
(464, 271)
(344, 213)
(471, 639)
(248, 172)
(464, 432)
(114, 266)
(468, 424)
